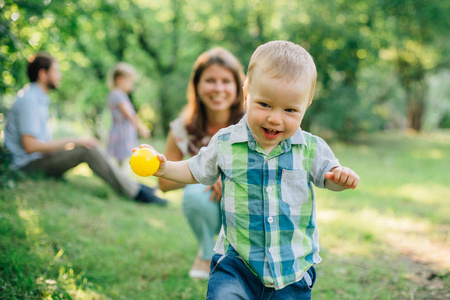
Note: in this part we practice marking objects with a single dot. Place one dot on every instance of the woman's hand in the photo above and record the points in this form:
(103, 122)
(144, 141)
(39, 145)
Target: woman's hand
(216, 189)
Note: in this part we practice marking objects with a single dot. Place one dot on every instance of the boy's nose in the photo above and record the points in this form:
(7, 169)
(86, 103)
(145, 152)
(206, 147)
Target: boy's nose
(275, 118)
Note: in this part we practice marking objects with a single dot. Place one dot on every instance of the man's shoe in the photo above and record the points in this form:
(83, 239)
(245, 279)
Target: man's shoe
(147, 195)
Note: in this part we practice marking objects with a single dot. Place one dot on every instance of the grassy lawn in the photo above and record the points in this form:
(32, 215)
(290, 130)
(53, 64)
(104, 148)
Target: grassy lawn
(388, 239)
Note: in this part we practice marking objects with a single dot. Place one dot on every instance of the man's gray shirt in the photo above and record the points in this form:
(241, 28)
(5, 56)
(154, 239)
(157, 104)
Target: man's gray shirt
(29, 115)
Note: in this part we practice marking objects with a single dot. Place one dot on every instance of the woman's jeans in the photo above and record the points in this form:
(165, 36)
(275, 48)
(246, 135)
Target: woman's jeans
(203, 216)
(231, 279)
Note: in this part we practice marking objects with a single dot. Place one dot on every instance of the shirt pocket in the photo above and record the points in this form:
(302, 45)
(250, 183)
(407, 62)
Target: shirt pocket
(294, 187)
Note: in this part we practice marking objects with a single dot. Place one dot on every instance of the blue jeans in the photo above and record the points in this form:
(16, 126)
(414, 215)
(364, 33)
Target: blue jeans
(231, 279)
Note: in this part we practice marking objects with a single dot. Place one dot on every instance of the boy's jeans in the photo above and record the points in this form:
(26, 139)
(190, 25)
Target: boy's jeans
(231, 279)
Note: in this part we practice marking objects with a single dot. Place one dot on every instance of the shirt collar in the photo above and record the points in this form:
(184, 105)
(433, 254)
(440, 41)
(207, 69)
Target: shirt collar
(241, 133)
(41, 95)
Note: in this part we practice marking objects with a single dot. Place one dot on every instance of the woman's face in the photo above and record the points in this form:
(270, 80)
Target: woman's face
(217, 88)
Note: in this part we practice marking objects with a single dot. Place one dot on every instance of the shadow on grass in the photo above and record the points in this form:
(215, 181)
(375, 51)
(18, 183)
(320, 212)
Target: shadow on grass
(17, 264)
(90, 242)
(383, 276)
(29, 264)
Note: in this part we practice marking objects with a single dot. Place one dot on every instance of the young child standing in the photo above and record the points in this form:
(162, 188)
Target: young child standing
(269, 240)
(123, 134)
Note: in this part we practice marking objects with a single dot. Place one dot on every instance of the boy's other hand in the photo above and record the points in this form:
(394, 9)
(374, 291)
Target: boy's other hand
(343, 176)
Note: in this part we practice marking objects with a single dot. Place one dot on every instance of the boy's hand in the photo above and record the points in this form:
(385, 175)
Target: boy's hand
(343, 176)
(178, 171)
(162, 160)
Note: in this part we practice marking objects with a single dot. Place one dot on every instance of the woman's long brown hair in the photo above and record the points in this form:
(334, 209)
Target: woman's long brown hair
(195, 112)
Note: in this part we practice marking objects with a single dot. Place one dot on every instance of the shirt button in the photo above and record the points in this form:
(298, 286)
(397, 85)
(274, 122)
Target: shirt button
(269, 189)
(270, 250)
(270, 219)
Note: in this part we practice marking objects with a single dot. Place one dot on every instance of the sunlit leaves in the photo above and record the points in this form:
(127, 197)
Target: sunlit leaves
(162, 38)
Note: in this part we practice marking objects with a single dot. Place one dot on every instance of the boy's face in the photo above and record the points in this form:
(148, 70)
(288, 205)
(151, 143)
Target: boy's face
(275, 109)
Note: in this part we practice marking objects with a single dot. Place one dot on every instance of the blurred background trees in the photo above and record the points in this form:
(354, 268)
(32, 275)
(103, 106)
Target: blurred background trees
(381, 64)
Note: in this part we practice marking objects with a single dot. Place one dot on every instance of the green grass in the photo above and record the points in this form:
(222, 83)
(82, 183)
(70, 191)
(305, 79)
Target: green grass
(388, 239)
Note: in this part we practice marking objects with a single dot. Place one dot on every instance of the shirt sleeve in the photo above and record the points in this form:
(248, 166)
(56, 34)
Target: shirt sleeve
(324, 161)
(29, 120)
(204, 166)
(117, 97)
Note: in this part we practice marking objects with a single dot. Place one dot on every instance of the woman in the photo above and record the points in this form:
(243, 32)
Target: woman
(215, 101)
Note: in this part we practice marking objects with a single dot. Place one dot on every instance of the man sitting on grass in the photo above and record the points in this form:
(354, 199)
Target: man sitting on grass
(28, 137)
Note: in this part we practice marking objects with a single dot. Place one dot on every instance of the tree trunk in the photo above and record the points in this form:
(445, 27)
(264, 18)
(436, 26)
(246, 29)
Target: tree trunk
(165, 106)
(415, 101)
(412, 78)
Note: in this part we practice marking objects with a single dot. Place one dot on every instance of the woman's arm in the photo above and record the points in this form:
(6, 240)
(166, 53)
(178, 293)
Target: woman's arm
(173, 153)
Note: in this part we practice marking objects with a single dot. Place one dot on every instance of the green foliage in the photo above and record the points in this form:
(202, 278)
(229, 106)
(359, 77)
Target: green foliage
(402, 39)
(8, 177)
(445, 121)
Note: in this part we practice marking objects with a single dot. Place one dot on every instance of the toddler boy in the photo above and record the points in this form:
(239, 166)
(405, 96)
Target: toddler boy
(269, 239)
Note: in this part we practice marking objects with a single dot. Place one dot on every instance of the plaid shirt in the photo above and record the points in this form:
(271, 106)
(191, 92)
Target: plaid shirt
(268, 205)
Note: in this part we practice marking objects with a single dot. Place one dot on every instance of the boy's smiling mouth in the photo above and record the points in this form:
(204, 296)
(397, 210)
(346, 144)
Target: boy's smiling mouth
(271, 133)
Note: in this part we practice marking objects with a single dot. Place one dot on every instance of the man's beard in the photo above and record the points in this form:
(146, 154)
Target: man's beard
(51, 85)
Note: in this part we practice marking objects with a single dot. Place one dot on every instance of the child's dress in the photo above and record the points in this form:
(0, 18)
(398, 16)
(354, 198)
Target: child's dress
(123, 135)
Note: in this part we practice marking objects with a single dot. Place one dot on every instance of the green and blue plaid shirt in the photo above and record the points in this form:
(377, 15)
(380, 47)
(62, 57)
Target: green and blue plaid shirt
(268, 205)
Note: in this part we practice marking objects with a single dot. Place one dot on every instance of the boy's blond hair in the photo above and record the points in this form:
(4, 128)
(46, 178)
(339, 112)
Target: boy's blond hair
(283, 60)
(121, 69)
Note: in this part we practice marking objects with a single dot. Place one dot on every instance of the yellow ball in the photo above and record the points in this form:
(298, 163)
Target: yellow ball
(144, 162)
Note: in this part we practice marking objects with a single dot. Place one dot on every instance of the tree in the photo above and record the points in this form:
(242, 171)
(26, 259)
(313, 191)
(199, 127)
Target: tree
(417, 36)
(347, 38)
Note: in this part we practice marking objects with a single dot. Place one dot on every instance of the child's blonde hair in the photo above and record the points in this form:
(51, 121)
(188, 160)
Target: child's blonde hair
(121, 69)
(283, 60)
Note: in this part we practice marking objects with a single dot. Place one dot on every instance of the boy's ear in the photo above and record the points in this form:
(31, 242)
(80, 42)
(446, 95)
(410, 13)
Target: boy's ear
(245, 99)
(244, 90)
(310, 100)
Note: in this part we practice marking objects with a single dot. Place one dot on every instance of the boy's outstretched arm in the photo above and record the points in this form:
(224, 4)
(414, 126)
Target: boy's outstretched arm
(178, 171)
(341, 178)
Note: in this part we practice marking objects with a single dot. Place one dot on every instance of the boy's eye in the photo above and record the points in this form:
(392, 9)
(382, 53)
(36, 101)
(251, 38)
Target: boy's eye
(263, 104)
(289, 110)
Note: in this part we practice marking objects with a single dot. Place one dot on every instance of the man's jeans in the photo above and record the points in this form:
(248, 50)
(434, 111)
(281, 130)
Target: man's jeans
(231, 279)
(57, 163)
